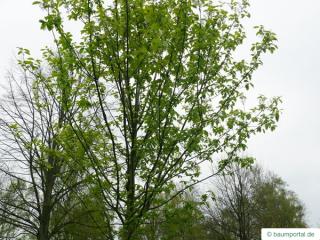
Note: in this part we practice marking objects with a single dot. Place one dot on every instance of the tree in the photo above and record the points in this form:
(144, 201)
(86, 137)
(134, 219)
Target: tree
(248, 200)
(7, 231)
(232, 214)
(181, 219)
(35, 153)
(278, 206)
(160, 92)
(86, 220)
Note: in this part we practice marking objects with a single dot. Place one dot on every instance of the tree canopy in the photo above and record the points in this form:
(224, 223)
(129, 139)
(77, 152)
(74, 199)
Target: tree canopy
(150, 91)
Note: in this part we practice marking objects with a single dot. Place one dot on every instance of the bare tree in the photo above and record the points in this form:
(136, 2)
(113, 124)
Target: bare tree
(232, 209)
(36, 146)
(246, 200)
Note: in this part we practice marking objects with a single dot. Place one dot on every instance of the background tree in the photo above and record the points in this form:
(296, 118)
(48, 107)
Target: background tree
(35, 153)
(158, 93)
(247, 200)
(87, 220)
(232, 214)
(7, 231)
(278, 207)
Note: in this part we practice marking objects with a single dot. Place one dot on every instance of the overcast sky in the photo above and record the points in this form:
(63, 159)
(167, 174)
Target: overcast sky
(292, 151)
(293, 72)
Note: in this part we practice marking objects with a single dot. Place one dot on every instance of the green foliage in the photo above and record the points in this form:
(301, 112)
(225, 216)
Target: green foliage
(278, 207)
(150, 89)
(181, 219)
(13, 194)
(86, 219)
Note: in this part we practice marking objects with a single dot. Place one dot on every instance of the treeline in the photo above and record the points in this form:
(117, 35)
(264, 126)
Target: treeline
(240, 202)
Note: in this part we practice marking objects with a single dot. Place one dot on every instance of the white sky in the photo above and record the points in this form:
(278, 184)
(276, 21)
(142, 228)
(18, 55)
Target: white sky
(292, 151)
(292, 72)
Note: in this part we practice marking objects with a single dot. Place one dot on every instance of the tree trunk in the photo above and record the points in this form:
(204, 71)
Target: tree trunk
(46, 208)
